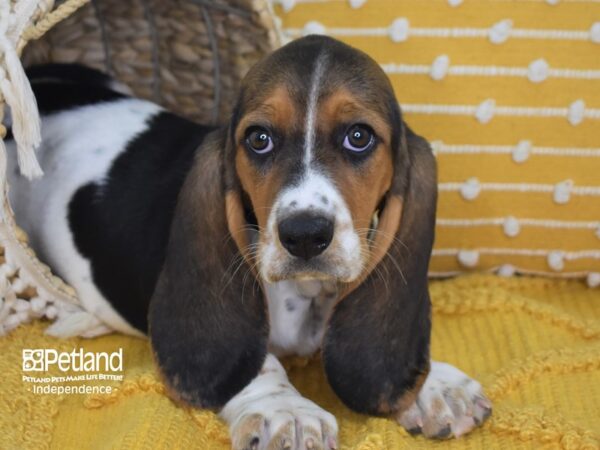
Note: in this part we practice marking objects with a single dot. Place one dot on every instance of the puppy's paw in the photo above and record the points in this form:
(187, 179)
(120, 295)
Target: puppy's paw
(294, 423)
(449, 404)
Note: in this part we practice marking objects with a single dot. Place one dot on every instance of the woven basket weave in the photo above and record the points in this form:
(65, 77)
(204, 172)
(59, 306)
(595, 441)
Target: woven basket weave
(187, 55)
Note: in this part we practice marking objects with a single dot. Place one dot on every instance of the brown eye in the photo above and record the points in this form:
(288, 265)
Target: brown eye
(359, 138)
(259, 140)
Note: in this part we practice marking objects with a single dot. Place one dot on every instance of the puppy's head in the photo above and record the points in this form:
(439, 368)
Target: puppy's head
(313, 143)
(318, 164)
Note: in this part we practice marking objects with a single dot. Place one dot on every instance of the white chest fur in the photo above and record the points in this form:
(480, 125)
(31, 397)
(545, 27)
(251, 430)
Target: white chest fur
(298, 311)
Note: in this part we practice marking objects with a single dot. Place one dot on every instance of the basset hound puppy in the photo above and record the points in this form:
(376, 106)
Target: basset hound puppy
(304, 224)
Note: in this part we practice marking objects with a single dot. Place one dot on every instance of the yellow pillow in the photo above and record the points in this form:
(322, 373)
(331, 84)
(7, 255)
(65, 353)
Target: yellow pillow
(508, 93)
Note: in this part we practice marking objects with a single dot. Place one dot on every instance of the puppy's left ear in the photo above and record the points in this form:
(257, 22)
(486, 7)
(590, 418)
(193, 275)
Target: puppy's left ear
(376, 346)
(207, 320)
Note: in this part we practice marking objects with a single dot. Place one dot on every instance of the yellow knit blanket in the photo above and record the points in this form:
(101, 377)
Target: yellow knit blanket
(533, 343)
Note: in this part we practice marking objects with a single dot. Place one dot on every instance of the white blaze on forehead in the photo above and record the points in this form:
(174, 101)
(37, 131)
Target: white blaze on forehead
(311, 109)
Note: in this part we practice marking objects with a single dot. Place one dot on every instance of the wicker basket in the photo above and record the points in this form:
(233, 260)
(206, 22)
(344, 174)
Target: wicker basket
(188, 55)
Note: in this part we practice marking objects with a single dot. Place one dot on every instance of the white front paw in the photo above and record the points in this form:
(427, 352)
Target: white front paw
(270, 414)
(285, 422)
(449, 404)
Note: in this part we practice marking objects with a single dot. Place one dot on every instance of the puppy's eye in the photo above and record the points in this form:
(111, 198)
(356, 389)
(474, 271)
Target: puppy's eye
(359, 138)
(259, 140)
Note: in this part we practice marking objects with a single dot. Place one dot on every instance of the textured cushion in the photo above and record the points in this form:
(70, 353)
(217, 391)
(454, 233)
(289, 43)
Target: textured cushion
(533, 343)
(509, 95)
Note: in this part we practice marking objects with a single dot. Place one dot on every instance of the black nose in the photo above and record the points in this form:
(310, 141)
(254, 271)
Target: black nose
(305, 235)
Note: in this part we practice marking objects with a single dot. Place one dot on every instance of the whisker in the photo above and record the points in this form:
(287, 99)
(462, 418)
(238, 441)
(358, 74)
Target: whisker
(395, 240)
(250, 270)
(238, 261)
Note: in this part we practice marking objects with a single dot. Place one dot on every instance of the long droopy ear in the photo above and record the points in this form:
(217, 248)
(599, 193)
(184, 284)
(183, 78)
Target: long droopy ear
(207, 320)
(376, 346)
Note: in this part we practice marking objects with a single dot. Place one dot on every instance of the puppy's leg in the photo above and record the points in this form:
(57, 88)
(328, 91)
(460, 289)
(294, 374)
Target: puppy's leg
(271, 414)
(450, 403)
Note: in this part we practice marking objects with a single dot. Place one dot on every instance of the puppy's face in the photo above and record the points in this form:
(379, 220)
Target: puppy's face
(313, 138)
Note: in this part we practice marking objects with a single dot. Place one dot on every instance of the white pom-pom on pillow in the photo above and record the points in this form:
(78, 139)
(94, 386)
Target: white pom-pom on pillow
(576, 112)
(521, 152)
(506, 270)
(595, 32)
(468, 258)
(314, 27)
(470, 189)
(562, 191)
(287, 5)
(357, 3)
(486, 110)
(511, 226)
(440, 66)
(399, 29)
(556, 260)
(593, 279)
(538, 70)
(500, 31)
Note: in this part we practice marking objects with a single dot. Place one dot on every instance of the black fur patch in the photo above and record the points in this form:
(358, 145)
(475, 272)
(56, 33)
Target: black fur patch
(122, 227)
(208, 320)
(63, 73)
(60, 87)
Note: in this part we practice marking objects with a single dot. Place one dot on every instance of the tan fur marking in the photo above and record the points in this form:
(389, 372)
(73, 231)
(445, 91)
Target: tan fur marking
(342, 106)
(411, 395)
(278, 111)
(170, 388)
(407, 399)
(389, 222)
(236, 223)
(261, 188)
(364, 189)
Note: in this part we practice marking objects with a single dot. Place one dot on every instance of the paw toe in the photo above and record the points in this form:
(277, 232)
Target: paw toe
(249, 432)
(283, 432)
(412, 419)
(414, 431)
(329, 431)
(311, 443)
(312, 438)
(443, 433)
(482, 409)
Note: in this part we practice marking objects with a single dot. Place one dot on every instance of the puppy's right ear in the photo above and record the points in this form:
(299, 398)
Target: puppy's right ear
(207, 320)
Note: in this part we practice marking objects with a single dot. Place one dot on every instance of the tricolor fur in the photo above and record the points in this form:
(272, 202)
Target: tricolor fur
(229, 254)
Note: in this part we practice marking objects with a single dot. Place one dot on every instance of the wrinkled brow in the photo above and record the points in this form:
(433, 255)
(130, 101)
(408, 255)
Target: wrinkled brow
(344, 105)
(277, 108)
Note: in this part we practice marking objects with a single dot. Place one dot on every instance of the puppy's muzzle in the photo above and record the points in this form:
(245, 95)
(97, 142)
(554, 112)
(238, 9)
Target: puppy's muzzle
(305, 235)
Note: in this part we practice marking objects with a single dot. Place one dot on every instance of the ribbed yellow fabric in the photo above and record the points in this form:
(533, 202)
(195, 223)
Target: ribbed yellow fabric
(508, 93)
(533, 343)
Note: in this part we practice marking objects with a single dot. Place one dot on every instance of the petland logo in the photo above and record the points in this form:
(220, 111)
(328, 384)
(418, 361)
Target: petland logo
(42, 359)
